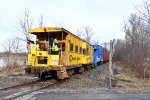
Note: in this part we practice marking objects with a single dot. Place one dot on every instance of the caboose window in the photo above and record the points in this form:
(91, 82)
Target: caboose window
(71, 47)
(63, 47)
(80, 50)
(76, 49)
(84, 51)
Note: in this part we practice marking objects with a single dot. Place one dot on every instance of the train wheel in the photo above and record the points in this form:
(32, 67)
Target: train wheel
(41, 76)
(85, 67)
(89, 67)
(76, 70)
(81, 69)
(54, 75)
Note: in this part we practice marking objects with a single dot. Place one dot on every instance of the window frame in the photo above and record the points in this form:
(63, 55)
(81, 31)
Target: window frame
(76, 49)
(71, 47)
(80, 51)
(84, 51)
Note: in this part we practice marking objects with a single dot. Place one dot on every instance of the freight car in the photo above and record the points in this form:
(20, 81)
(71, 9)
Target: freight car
(105, 55)
(97, 55)
(57, 52)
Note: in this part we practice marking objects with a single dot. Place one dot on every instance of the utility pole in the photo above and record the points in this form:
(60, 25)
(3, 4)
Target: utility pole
(110, 63)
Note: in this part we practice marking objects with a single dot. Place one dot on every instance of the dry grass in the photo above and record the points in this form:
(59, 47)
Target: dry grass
(18, 71)
(128, 81)
(1, 72)
(12, 69)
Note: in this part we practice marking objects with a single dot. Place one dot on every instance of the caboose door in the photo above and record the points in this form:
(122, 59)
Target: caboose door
(63, 55)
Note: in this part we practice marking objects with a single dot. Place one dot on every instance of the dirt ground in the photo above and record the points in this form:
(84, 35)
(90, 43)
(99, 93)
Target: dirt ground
(127, 80)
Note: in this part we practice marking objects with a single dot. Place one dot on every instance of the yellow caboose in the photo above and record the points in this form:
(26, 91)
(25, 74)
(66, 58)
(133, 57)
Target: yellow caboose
(56, 51)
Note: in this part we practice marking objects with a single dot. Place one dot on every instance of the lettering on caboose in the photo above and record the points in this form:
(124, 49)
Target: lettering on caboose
(71, 58)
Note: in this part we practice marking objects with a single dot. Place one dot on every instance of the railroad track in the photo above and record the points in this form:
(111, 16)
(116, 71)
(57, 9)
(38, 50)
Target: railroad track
(49, 85)
(20, 85)
(23, 93)
(41, 87)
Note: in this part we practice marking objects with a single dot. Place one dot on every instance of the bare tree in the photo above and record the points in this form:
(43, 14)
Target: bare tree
(136, 43)
(17, 45)
(12, 45)
(7, 46)
(79, 32)
(144, 11)
(24, 24)
(120, 50)
(62, 25)
(41, 21)
(87, 33)
(96, 42)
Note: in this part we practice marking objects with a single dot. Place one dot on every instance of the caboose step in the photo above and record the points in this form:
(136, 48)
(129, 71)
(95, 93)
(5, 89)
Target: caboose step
(62, 74)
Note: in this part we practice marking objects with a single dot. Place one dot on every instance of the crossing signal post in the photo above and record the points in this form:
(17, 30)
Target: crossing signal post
(110, 62)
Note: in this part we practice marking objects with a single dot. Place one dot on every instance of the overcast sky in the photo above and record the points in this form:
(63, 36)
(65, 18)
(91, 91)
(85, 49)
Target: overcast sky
(106, 17)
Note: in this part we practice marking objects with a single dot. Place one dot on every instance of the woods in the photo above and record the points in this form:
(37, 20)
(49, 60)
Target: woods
(134, 51)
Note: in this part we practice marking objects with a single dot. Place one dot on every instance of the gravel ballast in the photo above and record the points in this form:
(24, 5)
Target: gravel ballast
(15, 80)
(92, 81)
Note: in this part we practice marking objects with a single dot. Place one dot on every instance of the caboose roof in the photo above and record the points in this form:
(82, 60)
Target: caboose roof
(44, 29)
(52, 29)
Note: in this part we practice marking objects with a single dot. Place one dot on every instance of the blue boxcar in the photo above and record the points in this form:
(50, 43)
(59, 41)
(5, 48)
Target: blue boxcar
(97, 55)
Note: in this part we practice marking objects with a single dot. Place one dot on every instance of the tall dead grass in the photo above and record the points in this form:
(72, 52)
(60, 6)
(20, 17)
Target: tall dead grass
(12, 68)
